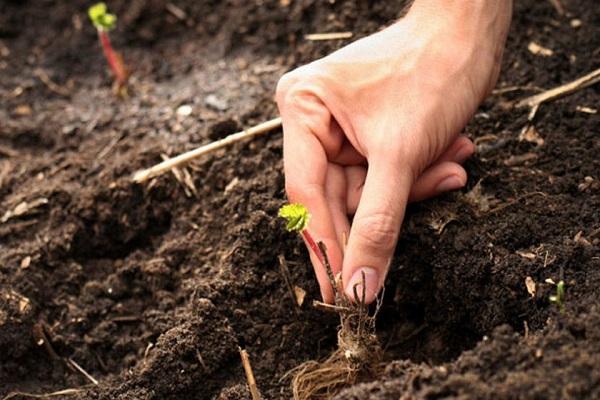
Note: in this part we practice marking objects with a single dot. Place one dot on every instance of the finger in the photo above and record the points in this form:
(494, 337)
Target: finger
(459, 151)
(336, 192)
(305, 167)
(437, 179)
(376, 226)
(355, 181)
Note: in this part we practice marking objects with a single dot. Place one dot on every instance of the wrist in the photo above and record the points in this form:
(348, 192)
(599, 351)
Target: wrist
(467, 18)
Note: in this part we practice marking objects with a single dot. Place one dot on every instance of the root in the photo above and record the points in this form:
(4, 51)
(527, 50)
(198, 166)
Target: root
(358, 356)
(315, 380)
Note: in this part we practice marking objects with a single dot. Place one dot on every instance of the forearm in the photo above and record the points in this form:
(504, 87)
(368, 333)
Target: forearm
(470, 17)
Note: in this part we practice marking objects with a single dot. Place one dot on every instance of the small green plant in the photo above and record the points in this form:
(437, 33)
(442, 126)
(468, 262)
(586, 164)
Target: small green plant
(358, 354)
(559, 297)
(105, 22)
(297, 218)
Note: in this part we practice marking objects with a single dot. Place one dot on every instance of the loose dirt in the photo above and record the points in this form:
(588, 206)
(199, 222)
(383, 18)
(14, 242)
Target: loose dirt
(151, 290)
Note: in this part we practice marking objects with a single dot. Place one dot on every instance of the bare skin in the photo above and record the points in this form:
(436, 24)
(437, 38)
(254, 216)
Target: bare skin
(376, 125)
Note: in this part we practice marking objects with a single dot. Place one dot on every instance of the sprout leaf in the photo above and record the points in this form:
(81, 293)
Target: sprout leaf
(296, 216)
(101, 18)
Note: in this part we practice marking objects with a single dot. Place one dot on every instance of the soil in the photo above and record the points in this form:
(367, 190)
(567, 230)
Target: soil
(151, 289)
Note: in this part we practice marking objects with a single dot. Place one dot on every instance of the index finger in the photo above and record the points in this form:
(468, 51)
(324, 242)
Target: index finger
(305, 168)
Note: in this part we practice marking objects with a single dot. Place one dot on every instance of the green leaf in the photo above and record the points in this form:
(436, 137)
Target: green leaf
(101, 18)
(296, 217)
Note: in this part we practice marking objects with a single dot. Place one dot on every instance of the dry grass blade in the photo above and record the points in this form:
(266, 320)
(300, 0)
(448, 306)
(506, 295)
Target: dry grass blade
(64, 392)
(562, 90)
(184, 158)
(83, 371)
(249, 375)
(285, 274)
(328, 36)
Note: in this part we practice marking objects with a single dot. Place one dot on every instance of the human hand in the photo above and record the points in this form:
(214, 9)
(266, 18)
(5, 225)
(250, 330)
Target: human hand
(376, 124)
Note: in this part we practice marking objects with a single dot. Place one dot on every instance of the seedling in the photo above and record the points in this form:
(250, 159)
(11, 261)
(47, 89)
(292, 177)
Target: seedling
(297, 218)
(559, 297)
(358, 354)
(105, 22)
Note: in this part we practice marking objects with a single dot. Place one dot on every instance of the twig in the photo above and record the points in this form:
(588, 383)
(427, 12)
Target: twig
(83, 371)
(43, 76)
(328, 36)
(41, 339)
(510, 203)
(285, 273)
(330, 307)
(184, 158)
(562, 90)
(249, 374)
(508, 89)
(176, 11)
(63, 392)
(560, 9)
(327, 264)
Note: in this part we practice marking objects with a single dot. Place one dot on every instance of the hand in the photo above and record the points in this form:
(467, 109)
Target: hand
(375, 125)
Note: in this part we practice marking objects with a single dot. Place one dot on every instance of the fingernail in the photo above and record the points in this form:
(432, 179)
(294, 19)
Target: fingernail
(371, 284)
(450, 183)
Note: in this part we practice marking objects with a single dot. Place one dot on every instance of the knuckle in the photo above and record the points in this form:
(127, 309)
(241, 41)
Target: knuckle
(284, 84)
(377, 231)
(294, 85)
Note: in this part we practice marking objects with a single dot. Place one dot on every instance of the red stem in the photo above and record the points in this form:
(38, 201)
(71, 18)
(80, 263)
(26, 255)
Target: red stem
(113, 59)
(313, 245)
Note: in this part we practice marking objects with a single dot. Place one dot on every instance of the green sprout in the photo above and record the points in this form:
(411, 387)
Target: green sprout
(101, 18)
(104, 22)
(296, 216)
(559, 297)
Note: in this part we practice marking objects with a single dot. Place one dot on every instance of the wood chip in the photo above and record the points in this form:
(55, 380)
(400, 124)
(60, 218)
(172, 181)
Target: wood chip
(539, 50)
(520, 159)
(26, 262)
(580, 239)
(22, 110)
(23, 208)
(526, 254)
(531, 135)
(587, 110)
(300, 295)
(530, 284)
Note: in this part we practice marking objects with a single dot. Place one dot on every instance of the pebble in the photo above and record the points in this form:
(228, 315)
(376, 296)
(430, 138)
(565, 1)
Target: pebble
(216, 103)
(184, 110)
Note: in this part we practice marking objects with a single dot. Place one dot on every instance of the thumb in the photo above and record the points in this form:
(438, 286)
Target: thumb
(376, 227)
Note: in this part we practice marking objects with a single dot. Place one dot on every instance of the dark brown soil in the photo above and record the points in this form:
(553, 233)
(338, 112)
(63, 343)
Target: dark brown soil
(152, 291)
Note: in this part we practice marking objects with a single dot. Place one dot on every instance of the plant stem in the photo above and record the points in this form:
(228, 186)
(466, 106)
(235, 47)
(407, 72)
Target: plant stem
(113, 59)
(313, 245)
